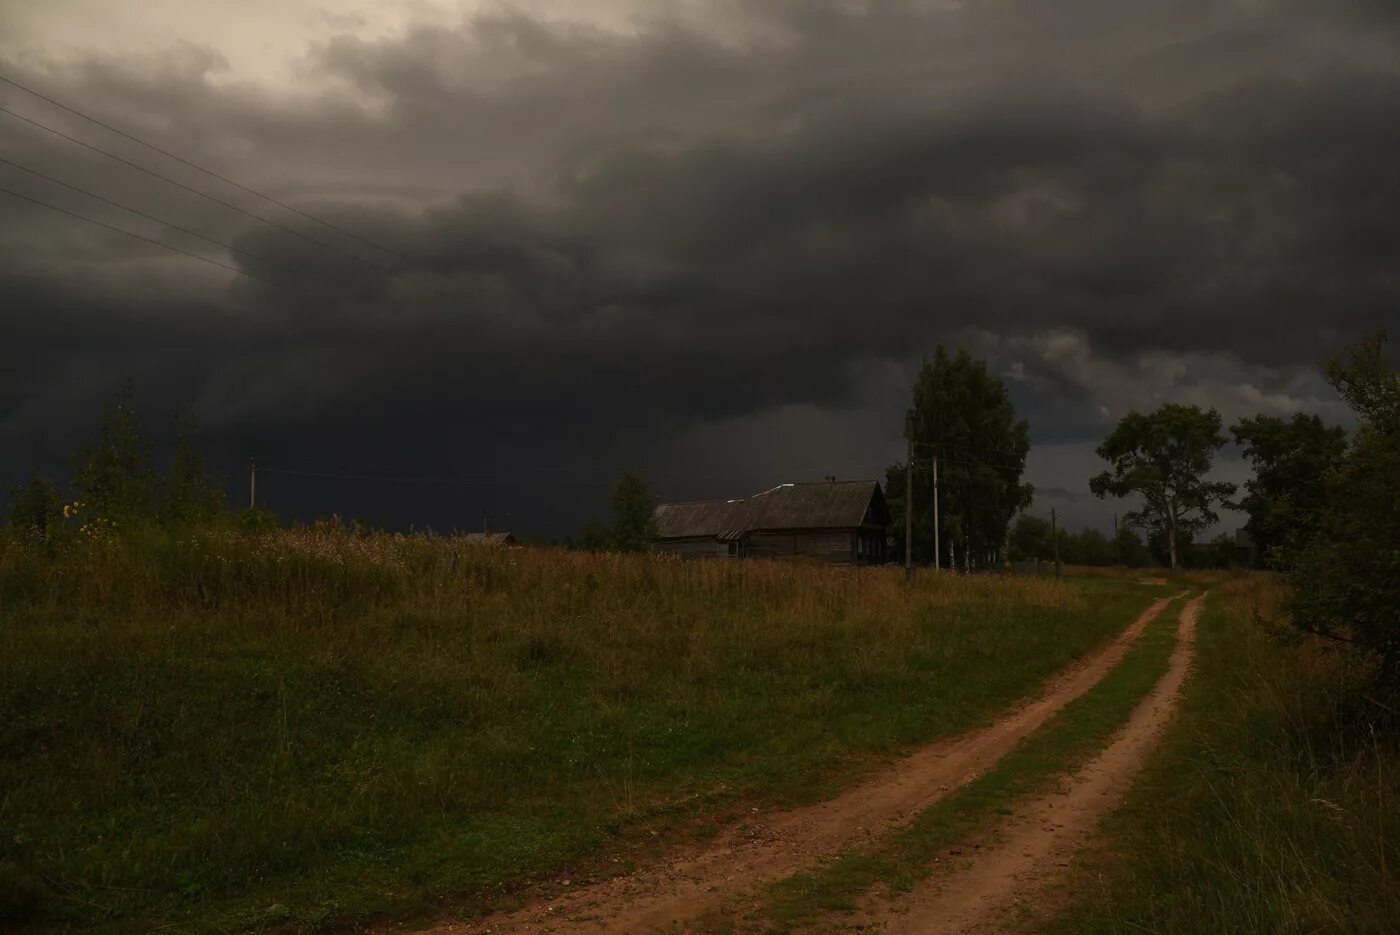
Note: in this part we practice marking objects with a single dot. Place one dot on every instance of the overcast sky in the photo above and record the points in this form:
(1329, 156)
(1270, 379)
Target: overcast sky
(712, 240)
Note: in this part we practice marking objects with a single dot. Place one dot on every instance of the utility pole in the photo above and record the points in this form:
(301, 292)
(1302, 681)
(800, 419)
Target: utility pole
(1055, 539)
(252, 484)
(1117, 559)
(909, 513)
(936, 561)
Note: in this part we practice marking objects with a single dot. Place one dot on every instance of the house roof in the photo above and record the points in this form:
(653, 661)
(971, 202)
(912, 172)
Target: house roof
(699, 518)
(822, 505)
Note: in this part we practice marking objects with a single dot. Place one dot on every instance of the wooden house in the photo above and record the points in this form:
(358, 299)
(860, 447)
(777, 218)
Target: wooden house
(835, 521)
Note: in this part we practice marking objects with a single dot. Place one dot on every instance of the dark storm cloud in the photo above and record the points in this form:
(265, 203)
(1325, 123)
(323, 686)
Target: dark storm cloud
(601, 241)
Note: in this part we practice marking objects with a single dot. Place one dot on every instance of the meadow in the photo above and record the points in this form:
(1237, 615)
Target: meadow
(225, 731)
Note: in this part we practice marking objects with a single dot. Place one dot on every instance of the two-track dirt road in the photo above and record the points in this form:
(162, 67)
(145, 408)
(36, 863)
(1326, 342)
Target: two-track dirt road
(1036, 842)
(709, 879)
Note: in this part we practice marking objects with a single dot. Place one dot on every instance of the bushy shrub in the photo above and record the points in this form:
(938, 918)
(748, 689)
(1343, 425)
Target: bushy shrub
(1346, 582)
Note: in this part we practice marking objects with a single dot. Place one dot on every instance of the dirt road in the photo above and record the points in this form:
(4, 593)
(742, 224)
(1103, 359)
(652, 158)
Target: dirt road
(708, 879)
(1042, 836)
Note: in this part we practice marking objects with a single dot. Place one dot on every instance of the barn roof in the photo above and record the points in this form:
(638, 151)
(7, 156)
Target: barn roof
(821, 505)
(699, 518)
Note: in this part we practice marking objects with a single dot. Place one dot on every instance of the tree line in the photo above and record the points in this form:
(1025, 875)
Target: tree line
(115, 484)
(1323, 507)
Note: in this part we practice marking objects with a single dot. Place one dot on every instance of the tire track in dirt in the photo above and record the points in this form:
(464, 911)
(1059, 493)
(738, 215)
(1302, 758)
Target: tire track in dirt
(1033, 846)
(704, 880)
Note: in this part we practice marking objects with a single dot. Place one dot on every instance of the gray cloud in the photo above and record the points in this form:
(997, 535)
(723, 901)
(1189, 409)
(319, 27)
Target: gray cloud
(608, 246)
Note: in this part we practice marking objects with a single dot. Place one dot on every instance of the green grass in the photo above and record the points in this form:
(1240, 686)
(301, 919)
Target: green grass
(221, 732)
(1274, 803)
(904, 857)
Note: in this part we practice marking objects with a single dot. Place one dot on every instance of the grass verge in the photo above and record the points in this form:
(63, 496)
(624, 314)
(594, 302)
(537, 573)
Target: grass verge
(904, 857)
(1272, 804)
(227, 732)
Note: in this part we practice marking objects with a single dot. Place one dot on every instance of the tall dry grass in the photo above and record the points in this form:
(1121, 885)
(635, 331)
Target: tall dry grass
(311, 573)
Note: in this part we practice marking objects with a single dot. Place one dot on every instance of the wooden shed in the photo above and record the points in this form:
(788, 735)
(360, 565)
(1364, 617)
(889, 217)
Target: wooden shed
(496, 540)
(835, 521)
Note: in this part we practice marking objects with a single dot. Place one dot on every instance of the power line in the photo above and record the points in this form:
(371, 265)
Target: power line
(193, 256)
(648, 470)
(194, 191)
(514, 470)
(1013, 467)
(941, 447)
(449, 481)
(209, 172)
(150, 217)
(408, 479)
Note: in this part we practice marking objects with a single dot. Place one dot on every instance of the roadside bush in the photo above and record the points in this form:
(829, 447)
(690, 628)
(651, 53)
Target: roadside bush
(36, 507)
(1346, 583)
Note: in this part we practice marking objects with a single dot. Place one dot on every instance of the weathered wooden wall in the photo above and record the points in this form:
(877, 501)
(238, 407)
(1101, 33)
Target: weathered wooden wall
(693, 547)
(828, 545)
(831, 545)
(870, 546)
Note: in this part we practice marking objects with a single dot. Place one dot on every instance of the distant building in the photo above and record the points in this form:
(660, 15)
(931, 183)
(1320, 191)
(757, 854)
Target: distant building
(498, 540)
(834, 521)
(1245, 547)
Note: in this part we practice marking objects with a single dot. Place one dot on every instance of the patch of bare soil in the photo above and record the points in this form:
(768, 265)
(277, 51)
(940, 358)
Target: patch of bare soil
(1152, 581)
(704, 881)
(986, 891)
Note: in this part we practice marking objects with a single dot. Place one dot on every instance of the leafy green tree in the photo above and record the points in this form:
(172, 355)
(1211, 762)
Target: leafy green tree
(1368, 384)
(1030, 538)
(1222, 552)
(36, 506)
(595, 536)
(113, 478)
(1292, 460)
(1346, 580)
(1159, 548)
(965, 416)
(256, 519)
(189, 495)
(1129, 549)
(1068, 547)
(1163, 457)
(634, 523)
(1092, 547)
